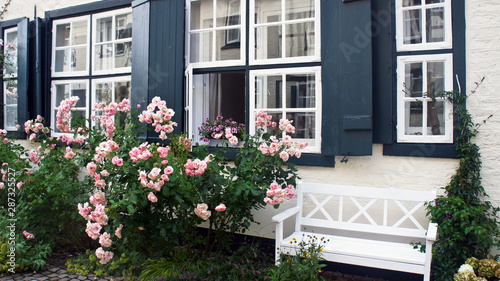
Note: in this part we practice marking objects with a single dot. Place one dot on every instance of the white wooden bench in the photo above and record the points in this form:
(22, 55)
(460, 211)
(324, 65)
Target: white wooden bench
(364, 226)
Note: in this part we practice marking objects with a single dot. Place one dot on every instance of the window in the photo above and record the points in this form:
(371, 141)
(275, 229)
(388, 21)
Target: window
(424, 118)
(70, 48)
(216, 36)
(284, 31)
(10, 79)
(64, 89)
(216, 39)
(112, 42)
(294, 94)
(423, 24)
(109, 90)
(109, 54)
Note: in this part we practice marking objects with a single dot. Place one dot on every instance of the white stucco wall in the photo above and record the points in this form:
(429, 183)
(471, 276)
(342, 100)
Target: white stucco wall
(483, 57)
(483, 60)
(26, 8)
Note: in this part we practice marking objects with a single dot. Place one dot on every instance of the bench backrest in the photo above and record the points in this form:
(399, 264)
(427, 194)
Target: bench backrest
(363, 209)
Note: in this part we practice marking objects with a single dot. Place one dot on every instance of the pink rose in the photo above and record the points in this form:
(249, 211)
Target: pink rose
(118, 231)
(28, 235)
(152, 197)
(117, 161)
(202, 211)
(220, 208)
(105, 240)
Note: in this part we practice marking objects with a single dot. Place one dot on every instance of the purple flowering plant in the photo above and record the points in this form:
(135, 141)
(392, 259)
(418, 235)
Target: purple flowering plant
(221, 128)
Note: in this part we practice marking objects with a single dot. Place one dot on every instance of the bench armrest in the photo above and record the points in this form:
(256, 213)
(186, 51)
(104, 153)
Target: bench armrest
(286, 214)
(432, 231)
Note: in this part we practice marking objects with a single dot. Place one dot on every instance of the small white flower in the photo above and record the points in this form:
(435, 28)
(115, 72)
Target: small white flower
(466, 268)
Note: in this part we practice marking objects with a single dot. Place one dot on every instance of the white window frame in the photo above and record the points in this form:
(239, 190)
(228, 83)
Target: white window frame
(54, 48)
(213, 30)
(9, 76)
(111, 80)
(112, 14)
(314, 145)
(401, 99)
(448, 36)
(54, 106)
(6, 126)
(302, 59)
(7, 31)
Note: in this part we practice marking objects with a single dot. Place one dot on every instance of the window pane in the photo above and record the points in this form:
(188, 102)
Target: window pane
(407, 3)
(228, 12)
(11, 39)
(124, 26)
(412, 27)
(435, 117)
(62, 35)
(269, 94)
(228, 47)
(104, 30)
(435, 78)
(103, 93)
(201, 47)
(305, 124)
(433, 1)
(79, 33)
(435, 24)
(268, 42)
(202, 14)
(413, 111)
(11, 115)
(79, 59)
(78, 114)
(299, 9)
(413, 80)
(80, 90)
(267, 11)
(11, 96)
(122, 91)
(104, 56)
(62, 93)
(301, 91)
(300, 39)
(276, 117)
(123, 54)
(63, 59)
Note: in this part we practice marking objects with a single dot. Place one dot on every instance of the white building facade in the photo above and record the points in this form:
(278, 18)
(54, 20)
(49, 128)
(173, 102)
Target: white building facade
(358, 84)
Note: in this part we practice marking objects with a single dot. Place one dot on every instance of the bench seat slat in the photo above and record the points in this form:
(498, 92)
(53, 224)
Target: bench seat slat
(372, 253)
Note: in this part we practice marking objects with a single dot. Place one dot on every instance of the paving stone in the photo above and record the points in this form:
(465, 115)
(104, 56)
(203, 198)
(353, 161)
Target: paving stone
(82, 277)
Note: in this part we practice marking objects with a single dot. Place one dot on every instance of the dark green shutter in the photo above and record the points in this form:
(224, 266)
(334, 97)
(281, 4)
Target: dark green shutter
(346, 52)
(23, 71)
(158, 54)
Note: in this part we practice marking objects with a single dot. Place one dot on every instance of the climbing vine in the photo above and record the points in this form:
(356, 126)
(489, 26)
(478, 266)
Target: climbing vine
(468, 224)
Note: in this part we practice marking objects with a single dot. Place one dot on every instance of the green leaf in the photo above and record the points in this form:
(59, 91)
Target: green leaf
(131, 209)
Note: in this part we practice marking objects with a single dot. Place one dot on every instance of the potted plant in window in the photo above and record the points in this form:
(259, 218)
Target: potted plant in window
(221, 132)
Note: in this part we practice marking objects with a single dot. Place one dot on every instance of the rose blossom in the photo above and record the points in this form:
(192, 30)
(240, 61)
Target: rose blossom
(84, 210)
(93, 230)
(117, 161)
(105, 240)
(28, 235)
(202, 211)
(152, 197)
(220, 208)
(118, 231)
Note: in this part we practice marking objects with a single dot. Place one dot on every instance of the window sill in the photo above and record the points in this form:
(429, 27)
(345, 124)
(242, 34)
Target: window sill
(434, 150)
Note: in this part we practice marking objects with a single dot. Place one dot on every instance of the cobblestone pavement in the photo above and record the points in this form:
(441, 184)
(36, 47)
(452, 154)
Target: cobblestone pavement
(56, 271)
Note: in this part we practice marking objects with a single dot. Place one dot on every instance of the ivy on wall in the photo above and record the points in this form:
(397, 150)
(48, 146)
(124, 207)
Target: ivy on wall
(468, 224)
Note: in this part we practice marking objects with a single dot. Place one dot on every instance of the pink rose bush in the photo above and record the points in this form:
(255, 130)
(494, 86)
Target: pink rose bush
(28, 235)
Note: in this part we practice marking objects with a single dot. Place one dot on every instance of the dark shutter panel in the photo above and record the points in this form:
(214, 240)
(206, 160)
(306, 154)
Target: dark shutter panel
(23, 71)
(383, 71)
(159, 30)
(347, 77)
(38, 94)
